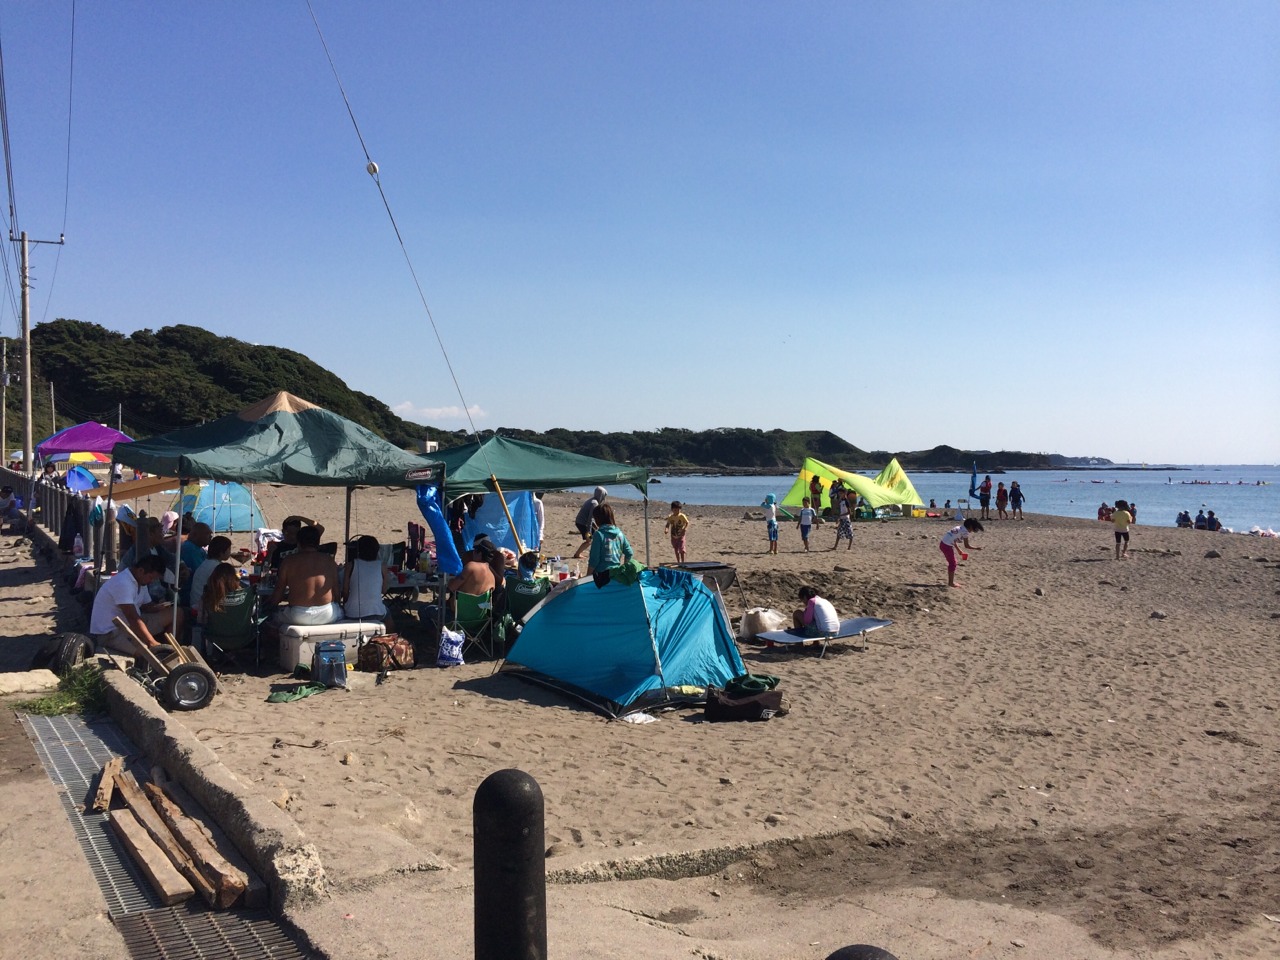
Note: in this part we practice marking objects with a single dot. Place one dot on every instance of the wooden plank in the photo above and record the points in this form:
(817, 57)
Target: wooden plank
(127, 784)
(142, 649)
(228, 882)
(107, 783)
(256, 894)
(164, 876)
(177, 648)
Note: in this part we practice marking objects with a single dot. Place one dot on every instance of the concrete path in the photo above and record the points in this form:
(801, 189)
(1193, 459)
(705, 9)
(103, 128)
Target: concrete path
(52, 907)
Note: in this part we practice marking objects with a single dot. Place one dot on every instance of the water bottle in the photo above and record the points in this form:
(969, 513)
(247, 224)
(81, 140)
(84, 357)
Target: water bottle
(77, 547)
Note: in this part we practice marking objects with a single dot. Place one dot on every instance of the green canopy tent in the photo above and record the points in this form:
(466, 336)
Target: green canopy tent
(500, 464)
(890, 487)
(281, 439)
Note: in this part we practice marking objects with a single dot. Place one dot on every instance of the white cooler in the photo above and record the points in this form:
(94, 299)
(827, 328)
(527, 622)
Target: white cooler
(297, 644)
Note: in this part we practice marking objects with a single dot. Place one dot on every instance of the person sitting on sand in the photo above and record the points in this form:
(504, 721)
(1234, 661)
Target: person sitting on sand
(1184, 519)
(818, 616)
(306, 590)
(8, 504)
(951, 541)
(1212, 523)
(1105, 511)
(1201, 521)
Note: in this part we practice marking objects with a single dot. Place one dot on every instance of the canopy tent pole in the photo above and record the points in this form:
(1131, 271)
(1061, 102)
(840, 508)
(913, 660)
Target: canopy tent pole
(346, 529)
(646, 529)
(177, 553)
(502, 499)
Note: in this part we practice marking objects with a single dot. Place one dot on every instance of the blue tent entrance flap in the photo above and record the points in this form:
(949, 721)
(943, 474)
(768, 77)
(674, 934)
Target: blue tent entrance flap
(225, 507)
(626, 648)
(491, 519)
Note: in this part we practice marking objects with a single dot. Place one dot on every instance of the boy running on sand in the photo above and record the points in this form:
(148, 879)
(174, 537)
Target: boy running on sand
(677, 525)
(949, 544)
(805, 523)
(1121, 517)
(771, 521)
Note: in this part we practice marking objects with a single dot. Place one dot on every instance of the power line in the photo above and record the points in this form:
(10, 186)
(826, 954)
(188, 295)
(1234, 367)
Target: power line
(66, 182)
(372, 168)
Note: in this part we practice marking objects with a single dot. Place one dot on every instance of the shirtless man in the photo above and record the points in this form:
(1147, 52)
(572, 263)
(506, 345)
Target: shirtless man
(310, 580)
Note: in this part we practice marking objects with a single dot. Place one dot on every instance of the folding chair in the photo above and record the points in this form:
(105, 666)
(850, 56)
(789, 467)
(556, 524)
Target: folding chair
(524, 595)
(234, 627)
(473, 616)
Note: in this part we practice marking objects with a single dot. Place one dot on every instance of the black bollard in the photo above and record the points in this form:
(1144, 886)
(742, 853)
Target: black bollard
(510, 868)
(861, 951)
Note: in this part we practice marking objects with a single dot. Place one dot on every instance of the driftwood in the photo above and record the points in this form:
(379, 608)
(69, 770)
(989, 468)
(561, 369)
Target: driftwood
(228, 882)
(155, 863)
(107, 784)
(127, 784)
(256, 894)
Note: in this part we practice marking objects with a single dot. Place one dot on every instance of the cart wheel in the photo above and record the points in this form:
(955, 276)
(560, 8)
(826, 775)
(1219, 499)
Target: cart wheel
(189, 686)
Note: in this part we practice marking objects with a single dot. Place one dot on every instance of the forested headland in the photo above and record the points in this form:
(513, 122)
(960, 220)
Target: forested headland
(153, 381)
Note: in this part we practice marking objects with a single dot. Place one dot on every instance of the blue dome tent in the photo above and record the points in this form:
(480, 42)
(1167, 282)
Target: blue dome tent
(225, 507)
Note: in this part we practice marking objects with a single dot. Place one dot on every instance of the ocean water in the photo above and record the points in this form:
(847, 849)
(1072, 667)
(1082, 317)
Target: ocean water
(1243, 497)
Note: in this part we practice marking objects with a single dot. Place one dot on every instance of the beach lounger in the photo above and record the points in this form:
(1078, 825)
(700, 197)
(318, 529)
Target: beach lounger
(857, 627)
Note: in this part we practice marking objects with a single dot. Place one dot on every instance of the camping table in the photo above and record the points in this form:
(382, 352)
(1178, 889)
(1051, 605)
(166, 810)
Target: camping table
(406, 590)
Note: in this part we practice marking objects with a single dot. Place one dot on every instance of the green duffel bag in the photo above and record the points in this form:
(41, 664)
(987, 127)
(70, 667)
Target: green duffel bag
(748, 684)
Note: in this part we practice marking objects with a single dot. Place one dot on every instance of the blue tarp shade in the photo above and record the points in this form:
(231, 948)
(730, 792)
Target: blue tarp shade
(225, 507)
(626, 648)
(490, 519)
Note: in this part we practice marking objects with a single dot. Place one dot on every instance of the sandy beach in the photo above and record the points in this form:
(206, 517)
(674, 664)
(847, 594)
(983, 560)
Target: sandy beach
(1090, 740)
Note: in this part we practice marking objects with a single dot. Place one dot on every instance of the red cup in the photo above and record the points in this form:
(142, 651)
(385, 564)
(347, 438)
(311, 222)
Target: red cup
(254, 579)
(564, 574)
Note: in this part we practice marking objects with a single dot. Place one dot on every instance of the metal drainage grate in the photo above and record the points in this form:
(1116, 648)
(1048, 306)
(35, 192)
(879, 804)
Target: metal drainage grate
(73, 752)
(187, 931)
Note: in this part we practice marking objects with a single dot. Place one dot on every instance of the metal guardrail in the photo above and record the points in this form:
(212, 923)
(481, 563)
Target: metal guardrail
(52, 506)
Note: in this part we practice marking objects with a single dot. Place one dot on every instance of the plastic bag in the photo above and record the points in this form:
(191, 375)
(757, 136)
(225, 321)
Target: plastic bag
(450, 654)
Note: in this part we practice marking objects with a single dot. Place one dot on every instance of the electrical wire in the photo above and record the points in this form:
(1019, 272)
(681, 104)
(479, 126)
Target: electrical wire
(372, 169)
(66, 181)
(14, 232)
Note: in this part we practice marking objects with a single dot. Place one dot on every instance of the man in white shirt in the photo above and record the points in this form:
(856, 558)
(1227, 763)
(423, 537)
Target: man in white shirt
(125, 595)
(818, 618)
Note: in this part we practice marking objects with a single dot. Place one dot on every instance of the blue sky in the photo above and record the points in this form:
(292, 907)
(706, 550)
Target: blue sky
(1050, 227)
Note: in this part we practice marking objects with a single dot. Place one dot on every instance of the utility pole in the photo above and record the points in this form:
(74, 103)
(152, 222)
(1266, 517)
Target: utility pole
(4, 404)
(28, 460)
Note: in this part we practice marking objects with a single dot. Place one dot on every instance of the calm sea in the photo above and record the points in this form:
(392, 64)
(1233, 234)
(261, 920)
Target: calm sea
(1243, 497)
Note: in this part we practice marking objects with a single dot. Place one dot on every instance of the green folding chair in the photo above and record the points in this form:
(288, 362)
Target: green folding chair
(234, 627)
(473, 616)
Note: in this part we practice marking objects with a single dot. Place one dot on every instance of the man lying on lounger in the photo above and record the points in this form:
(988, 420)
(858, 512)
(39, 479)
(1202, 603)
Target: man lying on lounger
(818, 618)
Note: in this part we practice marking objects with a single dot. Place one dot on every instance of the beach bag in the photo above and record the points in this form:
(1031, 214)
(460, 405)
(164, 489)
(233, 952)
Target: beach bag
(754, 706)
(329, 664)
(451, 642)
(388, 652)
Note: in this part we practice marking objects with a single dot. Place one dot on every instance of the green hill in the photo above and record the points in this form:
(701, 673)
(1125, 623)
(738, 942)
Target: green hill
(160, 380)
